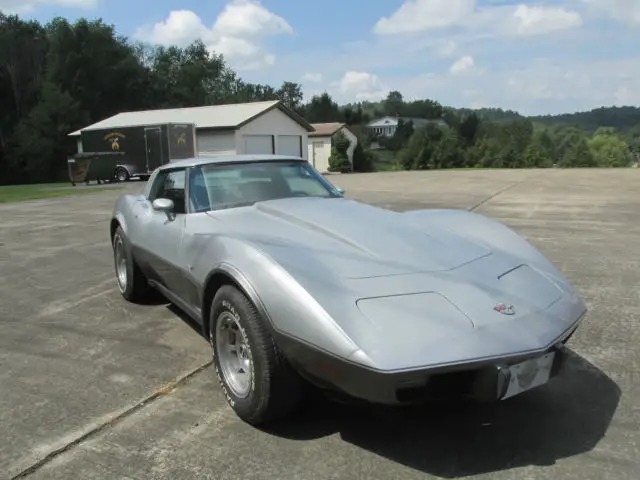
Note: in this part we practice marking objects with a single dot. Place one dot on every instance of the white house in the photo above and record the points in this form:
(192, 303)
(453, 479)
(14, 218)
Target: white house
(320, 144)
(242, 128)
(386, 126)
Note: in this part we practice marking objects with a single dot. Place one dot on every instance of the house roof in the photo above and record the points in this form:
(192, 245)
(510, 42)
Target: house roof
(325, 129)
(221, 117)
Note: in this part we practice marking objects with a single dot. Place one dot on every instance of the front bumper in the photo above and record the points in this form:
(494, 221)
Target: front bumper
(481, 380)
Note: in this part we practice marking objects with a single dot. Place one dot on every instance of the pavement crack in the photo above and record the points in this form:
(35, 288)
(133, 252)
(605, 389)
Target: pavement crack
(499, 192)
(160, 392)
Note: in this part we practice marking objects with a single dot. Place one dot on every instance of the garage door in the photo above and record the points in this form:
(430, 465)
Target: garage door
(290, 145)
(256, 144)
(216, 143)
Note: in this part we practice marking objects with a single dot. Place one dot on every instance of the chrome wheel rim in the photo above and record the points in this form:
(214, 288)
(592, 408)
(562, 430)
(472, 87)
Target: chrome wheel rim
(121, 264)
(234, 355)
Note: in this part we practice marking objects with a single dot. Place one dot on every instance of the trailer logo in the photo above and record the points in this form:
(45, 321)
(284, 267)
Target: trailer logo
(181, 139)
(114, 139)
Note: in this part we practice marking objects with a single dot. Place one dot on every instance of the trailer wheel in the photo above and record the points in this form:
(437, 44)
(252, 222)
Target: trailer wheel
(121, 174)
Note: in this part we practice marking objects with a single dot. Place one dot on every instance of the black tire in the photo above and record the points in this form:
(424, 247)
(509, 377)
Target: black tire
(275, 387)
(136, 288)
(121, 174)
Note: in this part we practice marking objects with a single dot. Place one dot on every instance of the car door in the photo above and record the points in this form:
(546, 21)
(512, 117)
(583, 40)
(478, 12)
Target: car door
(164, 230)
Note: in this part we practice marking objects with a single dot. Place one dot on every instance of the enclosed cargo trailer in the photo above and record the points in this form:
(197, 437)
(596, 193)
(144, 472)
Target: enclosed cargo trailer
(143, 148)
(97, 166)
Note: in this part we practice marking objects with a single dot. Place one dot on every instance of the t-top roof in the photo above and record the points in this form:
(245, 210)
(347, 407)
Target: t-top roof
(227, 116)
(207, 160)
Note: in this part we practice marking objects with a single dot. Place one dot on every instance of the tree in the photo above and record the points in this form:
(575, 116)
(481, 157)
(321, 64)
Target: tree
(322, 108)
(448, 152)
(394, 104)
(39, 145)
(290, 94)
(468, 128)
(339, 159)
(363, 160)
(578, 155)
(609, 150)
(23, 46)
(421, 148)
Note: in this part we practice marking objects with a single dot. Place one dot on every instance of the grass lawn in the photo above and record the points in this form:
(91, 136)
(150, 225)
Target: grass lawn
(18, 193)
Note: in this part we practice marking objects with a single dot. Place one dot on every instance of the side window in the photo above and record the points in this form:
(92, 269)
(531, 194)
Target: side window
(170, 184)
(198, 193)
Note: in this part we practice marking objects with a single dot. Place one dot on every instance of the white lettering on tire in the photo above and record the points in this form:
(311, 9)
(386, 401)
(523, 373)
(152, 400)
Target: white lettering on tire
(230, 308)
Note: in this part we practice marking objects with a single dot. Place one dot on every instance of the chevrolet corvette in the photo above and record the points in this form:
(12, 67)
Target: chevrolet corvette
(295, 285)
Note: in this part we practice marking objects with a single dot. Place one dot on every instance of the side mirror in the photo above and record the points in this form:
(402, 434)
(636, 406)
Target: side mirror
(162, 204)
(340, 190)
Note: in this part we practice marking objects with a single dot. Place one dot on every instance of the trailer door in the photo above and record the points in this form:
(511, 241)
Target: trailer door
(153, 140)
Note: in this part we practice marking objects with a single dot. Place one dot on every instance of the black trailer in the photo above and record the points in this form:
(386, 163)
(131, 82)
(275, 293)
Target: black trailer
(98, 166)
(143, 148)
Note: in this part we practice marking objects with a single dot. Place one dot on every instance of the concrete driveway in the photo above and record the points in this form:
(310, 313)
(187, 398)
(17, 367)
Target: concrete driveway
(96, 388)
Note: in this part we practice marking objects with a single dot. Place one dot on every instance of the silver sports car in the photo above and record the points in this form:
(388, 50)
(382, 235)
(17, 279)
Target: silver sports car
(295, 286)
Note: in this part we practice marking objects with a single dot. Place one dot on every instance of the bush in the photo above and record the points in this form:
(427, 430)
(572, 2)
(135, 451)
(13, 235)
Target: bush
(339, 160)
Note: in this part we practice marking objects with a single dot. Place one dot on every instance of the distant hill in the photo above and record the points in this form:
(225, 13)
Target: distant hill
(491, 114)
(622, 118)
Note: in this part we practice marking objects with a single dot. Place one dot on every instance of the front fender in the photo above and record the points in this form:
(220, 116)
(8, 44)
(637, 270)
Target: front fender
(285, 303)
(119, 216)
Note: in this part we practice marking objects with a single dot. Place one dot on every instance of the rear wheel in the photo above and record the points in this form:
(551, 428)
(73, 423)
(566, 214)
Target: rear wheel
(257, 381)
(121, 174)
(132, 283)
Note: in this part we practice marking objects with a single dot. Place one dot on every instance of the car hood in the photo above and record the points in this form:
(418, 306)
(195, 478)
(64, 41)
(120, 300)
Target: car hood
(347, 238)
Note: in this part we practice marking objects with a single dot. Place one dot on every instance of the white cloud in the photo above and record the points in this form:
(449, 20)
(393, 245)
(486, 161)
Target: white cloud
(247, 18)
(421, 15)
(463, 64)
(538, 88)
(416, 16)
(538, 20)
(359, 86)
(627, 11)
(447, 48)
(22, 7)
(238, 32)
(312, 77)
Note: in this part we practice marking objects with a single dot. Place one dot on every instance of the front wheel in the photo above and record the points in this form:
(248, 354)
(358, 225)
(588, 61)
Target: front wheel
(257, 381)
(132, 283)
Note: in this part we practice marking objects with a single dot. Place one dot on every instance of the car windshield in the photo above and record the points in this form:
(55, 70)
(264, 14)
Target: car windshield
(216, 187)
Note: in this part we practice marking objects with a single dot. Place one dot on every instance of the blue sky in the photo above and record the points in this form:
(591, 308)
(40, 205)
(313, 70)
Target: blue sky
(542, 56)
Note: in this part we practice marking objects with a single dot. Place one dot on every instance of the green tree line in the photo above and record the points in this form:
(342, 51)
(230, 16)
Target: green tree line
(60, 76)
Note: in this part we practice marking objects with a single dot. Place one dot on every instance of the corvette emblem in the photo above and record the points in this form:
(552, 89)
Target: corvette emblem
(505, 308)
